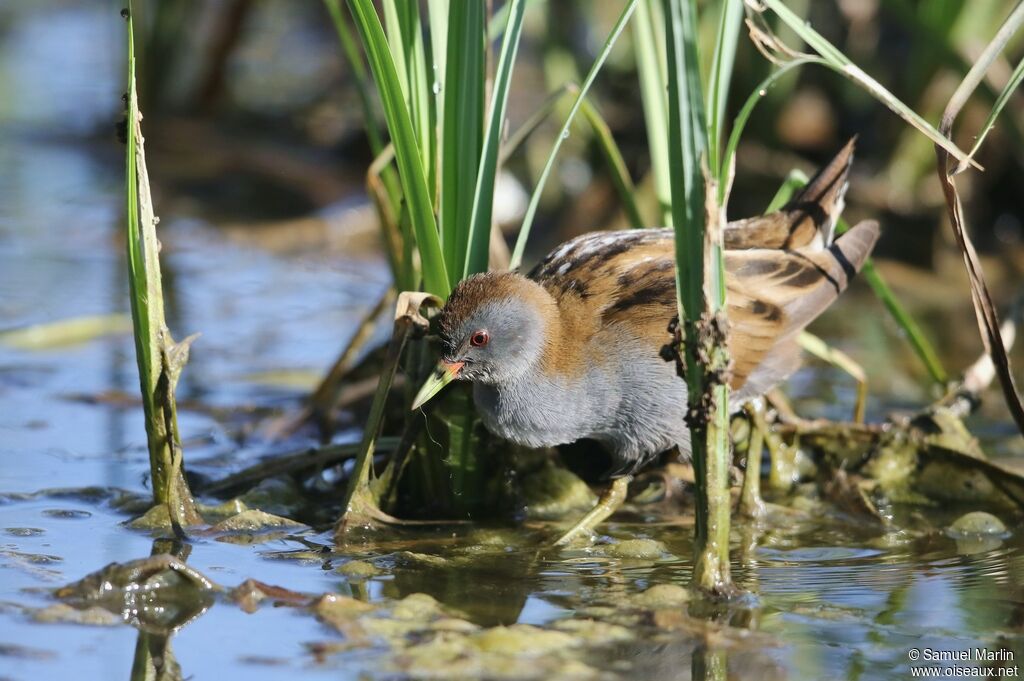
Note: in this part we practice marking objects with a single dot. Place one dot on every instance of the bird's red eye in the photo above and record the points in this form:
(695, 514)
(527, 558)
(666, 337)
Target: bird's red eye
(479, 338)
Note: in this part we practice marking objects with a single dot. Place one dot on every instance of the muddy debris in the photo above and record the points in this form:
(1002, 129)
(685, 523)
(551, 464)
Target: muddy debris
(358, 569)
(554, 493)
(977, 524)
(662, 596)
(159, 593)
(62, 613)
(637, 549)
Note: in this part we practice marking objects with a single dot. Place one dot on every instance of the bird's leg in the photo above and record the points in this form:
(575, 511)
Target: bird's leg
(751, 503)
(609, 502)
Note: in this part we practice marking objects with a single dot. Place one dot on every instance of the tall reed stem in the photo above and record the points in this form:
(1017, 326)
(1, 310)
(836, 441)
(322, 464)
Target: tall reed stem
(700, 282)
(160, 359)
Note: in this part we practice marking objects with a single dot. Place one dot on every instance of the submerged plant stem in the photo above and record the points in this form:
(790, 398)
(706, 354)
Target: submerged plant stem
(361, 504)
(751, 503)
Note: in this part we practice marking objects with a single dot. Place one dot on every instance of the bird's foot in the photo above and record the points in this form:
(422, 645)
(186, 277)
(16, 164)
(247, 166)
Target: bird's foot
(610, 501)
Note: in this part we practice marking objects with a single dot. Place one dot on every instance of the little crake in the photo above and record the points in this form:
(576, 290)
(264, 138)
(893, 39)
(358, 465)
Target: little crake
(572, 350)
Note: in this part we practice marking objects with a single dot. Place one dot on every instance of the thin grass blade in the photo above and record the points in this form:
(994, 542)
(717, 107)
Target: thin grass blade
(531, 210)
(1015, 79)
(520, 134)
(740, 123)
(795, 180)
(606, 143)
(729, 26)
(648, 42)
(364, 91)
(362, 81)
(823, 351)
(483, 197)
(616, 164)
(837, 61)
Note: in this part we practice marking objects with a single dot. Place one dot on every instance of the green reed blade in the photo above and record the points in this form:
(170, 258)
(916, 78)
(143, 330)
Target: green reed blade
(616, 164)
(606, 144)
(756, 96)
(364, 90)
(462, 133)
(479, 236)
(160, 360)
(687, 146)
(396, 45)
(405, 39)
(794, 182)
(700, 286)
(410, 164)
(1015, 79)
(729, 25)
(437, 17)
(915, 336)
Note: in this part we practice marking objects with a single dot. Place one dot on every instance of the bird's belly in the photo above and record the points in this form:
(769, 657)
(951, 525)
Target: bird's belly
(649, 418)
(635, 413)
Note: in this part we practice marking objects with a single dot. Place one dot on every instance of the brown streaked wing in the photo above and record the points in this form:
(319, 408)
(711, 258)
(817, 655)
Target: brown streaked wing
(628, 278)
(607, 277)
(596, 267)
(754, 327)
(813, 211)
(777, 294)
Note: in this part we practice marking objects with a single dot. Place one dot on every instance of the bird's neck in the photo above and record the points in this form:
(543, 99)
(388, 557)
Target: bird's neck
(569, 332)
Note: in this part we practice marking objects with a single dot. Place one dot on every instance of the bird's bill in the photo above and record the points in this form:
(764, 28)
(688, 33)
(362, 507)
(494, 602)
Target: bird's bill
(444, 374)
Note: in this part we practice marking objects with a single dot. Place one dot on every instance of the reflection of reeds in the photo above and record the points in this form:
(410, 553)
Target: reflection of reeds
(160, 359)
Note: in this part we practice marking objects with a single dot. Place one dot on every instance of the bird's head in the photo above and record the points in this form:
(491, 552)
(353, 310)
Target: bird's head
(492, 330)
